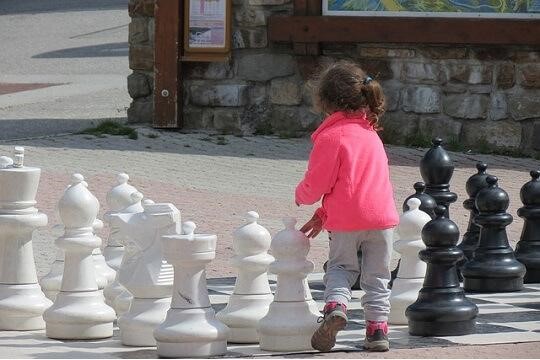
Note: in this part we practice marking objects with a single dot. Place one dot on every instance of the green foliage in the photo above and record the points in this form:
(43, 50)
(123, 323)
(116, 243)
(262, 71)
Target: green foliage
(418, 139)
(112, 128)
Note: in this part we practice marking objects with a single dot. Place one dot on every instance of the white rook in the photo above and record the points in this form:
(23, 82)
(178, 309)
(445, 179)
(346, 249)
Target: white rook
(191, 328)
(152, 277)
(293, 314)
(22, 302)
(79, 310)
(412, 270)
(252, 295)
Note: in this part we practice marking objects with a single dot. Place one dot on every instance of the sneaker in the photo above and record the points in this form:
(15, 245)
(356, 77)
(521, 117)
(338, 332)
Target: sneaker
(334, 319)
(376, 336)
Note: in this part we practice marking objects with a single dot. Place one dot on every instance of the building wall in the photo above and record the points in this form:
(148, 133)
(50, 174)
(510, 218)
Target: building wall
(466, 94)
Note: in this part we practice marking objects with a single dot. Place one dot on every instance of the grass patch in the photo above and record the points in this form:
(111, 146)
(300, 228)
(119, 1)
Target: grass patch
(112, 128)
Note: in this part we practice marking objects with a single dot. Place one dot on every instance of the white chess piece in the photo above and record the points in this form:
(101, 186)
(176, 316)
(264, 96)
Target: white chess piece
(152, 277)
(292, 317)
(190, 329)
(252, 295)
(79, 310)
(22, 302)
(119, 200)
(100, 265)
(412, 270)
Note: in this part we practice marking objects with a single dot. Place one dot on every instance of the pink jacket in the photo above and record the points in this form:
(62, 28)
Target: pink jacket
(348, 168)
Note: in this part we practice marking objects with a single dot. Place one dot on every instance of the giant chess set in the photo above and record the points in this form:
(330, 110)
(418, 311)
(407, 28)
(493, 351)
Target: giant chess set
(145, 293)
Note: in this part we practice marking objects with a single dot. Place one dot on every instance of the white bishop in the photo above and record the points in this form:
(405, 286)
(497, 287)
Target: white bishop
(252, 295)
(412, 270)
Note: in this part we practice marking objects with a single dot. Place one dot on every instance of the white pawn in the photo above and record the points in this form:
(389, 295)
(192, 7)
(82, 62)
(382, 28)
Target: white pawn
(252, 295)
(79, 310)
(412, 270)
(119, 200)
(152, 277)
(191, 328)
(22, 302)
(292, 317)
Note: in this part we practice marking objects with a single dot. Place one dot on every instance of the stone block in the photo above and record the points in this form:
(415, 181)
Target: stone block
(219, 94)
(491, 53)
(536, 136)
(263, 67)
(526, 56)
(250, 16)
(141, 110)
(421, 99)
(208, 71)
(138, 85)
(309, 120)
(141, 8)
(466, 106)
(529, 75)
(151, 31)
(421, 72)
(268, 2)
(453, 88)
(480, 89)
(439, 126)
(524, 105)
(141, 58)
(256, 119)
(392, 94)
(250, 38)
(495, 133)
(285, 91)
(285, 120)
(377, 69)
(228, 120)
(498, 108)
(380, 52)
(506, 76)
(258, 94)
(440, 53)
(471, 74)
(138, 31)
(196, 118)
(397, 127)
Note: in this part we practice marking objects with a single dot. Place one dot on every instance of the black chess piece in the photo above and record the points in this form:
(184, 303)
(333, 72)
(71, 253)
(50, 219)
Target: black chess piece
(441, 308)
(474, 184)
(437, 169)
(493, 267)
(427, 202)
(528, 247)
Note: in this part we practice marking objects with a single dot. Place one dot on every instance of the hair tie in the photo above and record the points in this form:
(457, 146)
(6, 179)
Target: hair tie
(367, 80)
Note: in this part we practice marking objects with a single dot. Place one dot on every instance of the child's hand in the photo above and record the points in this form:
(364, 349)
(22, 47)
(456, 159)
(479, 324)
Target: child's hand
(313, 227)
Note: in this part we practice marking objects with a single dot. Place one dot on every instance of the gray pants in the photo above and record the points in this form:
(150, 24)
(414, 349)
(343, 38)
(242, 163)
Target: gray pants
(343, 269)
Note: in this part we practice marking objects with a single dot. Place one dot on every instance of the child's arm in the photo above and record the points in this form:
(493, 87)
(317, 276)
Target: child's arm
(322, 171)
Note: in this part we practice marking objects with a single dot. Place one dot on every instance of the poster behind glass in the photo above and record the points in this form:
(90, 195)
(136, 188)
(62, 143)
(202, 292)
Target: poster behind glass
(207, 23)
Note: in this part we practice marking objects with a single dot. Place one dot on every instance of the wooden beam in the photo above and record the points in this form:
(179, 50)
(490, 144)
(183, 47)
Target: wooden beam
(167, 67)
(313, 29)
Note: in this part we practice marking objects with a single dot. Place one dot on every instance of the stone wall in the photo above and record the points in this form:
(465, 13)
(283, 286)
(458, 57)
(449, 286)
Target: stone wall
(466, 94)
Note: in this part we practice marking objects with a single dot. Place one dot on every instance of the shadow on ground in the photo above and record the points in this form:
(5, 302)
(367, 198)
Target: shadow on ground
(103, 50)
(13, 7)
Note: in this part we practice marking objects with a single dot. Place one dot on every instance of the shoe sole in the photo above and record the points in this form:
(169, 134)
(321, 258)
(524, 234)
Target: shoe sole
(324, 338)
(378, 346)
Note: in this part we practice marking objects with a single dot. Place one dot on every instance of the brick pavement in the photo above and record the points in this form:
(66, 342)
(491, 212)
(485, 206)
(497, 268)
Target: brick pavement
(214, 185)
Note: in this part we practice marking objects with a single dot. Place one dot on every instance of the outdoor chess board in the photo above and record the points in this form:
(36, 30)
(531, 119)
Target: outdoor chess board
(503, 318)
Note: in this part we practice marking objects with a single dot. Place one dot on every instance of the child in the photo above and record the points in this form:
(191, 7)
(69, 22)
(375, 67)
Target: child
(348, 168)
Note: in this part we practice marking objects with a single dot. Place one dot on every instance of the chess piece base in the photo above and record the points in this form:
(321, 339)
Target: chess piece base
(404, 293)
(191, 333)
(22, 307)
(242, 316)
(492, 285)
(442, 328)
(278, 333)
(138, 324)
(79, 315)
(122, 302)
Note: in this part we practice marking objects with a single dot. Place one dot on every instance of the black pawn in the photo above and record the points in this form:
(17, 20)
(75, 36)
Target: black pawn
(441, 308)
(493, 267)
(471, 237)
(437, 169)
(427, 202)
(528, 247)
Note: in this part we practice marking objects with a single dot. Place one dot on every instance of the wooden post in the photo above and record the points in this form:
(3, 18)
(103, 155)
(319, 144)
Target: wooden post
(167, 66)
(303, 8)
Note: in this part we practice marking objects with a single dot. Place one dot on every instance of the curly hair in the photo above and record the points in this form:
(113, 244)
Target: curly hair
(344, 86)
